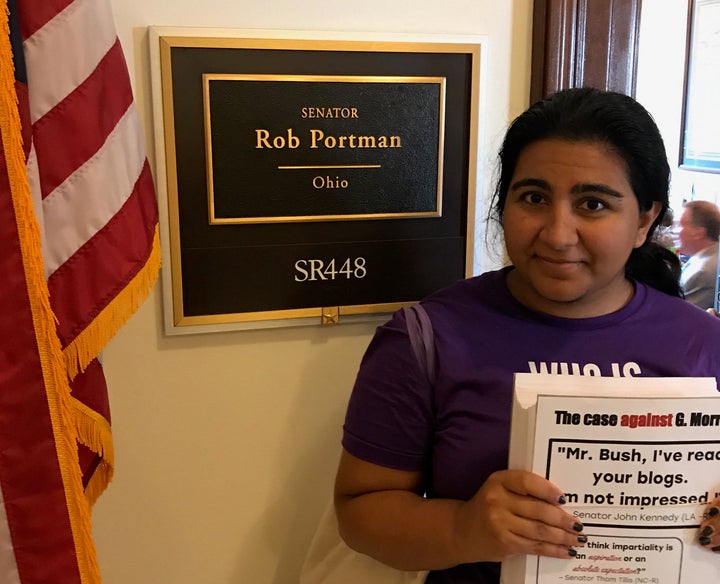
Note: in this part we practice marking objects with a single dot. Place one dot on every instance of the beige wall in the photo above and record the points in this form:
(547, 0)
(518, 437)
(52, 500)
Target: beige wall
(226, 443)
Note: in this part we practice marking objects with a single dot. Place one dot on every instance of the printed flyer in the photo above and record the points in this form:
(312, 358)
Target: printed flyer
(638, 472)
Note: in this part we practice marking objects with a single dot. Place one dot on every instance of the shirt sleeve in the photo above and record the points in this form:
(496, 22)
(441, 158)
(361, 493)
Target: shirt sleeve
(389, 420)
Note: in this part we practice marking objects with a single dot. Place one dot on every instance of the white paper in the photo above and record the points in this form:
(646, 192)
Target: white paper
(637, 471)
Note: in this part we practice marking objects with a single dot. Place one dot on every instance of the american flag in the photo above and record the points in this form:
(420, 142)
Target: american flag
(79, 251)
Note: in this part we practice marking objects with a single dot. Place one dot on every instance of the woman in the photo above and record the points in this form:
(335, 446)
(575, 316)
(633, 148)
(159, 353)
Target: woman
(422, 483)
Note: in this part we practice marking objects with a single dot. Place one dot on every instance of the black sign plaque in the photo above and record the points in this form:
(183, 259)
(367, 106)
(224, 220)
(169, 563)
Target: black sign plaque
(312, 181)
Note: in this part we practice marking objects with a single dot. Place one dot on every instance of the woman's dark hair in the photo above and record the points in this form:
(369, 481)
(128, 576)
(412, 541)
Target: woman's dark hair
(624, 126)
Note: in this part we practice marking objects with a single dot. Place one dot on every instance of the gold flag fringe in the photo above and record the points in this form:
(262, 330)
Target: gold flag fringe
(51, 357)
(90, 342)
(98, 482)
(94, 432)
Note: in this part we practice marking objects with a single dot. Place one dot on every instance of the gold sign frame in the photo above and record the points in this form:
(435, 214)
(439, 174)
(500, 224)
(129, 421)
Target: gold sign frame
(209, 77)
(175, 285)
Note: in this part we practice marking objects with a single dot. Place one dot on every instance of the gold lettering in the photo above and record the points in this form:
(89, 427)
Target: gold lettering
(329, 112)
(366, 142)
(279, 142)
(262, 138)
(315, 136)
(318, 139)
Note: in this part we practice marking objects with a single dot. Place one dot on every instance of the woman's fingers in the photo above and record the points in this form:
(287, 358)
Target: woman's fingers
(521, 482)
(536, 498)
(544, 548)
(539, 510)
(543, 536)
(516, 512)
(709, 533)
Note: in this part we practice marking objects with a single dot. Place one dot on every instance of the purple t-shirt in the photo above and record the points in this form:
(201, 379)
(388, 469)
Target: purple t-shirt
(456, 431)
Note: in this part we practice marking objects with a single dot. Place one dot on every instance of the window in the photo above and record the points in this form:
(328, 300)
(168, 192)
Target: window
(700, 134)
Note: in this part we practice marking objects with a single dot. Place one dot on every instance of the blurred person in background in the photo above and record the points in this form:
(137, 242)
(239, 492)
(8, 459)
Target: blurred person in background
(698, 233)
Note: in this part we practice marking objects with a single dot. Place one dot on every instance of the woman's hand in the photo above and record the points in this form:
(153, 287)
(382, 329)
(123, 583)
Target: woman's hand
(382, 513)
(517, 512)
(710, 527)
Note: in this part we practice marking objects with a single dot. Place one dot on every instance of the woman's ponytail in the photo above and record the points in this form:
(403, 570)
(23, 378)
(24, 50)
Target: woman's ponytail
(655, 266)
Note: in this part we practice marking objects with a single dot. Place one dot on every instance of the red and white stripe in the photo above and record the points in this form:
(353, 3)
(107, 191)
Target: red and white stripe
(96, 187)
(95, 203)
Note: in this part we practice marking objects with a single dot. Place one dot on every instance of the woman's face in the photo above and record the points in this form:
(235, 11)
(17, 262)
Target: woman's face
(571, 220)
